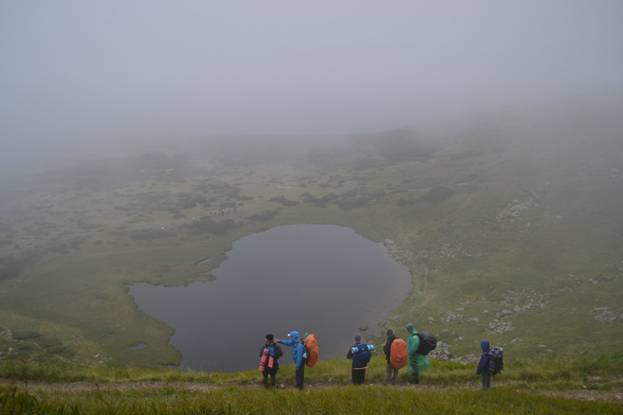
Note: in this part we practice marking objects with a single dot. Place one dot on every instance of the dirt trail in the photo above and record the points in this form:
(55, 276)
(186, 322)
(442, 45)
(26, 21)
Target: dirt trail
(615, 395)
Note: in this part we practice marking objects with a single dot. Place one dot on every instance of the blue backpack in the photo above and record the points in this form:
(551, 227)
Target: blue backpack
(362, 353)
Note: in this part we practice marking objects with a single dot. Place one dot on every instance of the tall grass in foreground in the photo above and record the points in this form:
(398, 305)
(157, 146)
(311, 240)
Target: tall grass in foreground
(344, 400)
(561, 370)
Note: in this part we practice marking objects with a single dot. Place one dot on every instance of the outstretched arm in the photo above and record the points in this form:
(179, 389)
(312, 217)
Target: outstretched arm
(286, 342)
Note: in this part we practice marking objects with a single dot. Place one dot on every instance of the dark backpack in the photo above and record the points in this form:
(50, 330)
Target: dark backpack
(361, 354)
(496, 361)
(428, 342)
(278, 351)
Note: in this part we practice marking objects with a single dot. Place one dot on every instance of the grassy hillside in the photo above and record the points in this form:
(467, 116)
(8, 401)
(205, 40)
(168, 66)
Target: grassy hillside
(508, 236)
(526, 387)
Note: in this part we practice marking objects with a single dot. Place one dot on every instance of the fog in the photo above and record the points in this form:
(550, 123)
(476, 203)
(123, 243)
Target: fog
(78, 76)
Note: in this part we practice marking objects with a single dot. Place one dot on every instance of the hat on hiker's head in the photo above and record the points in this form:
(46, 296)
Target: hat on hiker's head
(410, 328)
(270, 337)
(390, 332)
(357, 338)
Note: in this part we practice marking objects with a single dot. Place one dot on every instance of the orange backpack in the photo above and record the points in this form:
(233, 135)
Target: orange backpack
(313, 352)
(398, 355)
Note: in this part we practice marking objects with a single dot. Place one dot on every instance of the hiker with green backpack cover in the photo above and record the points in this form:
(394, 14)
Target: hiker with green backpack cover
(417, 356)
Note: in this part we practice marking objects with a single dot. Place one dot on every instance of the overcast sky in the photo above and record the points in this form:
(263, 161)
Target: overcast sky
(91, 70)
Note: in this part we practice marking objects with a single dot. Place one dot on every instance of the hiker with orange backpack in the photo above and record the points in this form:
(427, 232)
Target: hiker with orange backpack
(299, 355)
(269, 360)
(391, 372)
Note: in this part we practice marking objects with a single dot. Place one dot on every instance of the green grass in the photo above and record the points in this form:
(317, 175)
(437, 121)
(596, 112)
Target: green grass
(525, 387)
(332, 400)
(561, 372)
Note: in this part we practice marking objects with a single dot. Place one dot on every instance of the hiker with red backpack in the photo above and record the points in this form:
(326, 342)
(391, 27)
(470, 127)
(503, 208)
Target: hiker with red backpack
(491, 363)
(269, 360)
(419, 346)
(299, 355)
(360, 354)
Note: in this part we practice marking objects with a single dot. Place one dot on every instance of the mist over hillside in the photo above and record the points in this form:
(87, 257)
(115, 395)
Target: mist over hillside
(176, 174)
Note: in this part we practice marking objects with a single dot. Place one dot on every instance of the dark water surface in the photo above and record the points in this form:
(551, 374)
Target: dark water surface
(324, 279)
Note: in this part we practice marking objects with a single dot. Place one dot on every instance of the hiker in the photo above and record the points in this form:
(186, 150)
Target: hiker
(360, 355)
(391, 373)
(298, 355)
(491, 363)
(269, 360)
(483, 365)
(417, 362)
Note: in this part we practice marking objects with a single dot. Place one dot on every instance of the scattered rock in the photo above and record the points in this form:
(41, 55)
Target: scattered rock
(519, 301)
(441, 352)
(503, 313)
(513, 210)
(451, 316)
(603, 314)
(499, 326)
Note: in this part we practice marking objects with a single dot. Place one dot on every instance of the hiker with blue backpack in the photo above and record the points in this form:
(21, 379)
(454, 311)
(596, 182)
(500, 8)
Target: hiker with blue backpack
(299, 355)
(360, 354)
(491, 363)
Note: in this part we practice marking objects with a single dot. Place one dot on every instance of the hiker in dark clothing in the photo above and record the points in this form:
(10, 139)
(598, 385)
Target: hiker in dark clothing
(391, 373)
(269, 360)
(360, 355)
(483, 365)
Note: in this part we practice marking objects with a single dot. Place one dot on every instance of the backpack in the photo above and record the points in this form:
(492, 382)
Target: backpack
(268, 361)
(312, 349)
(496, 360)
(398, 355)
(278, 351)
(428, 342)
(362, 354)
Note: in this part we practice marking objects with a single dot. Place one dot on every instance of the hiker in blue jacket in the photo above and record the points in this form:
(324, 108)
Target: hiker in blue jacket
(298, 355)
(483, 365)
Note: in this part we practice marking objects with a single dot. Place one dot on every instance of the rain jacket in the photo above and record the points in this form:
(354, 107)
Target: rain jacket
(483, 364)
(298, 348)
(417, 362)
